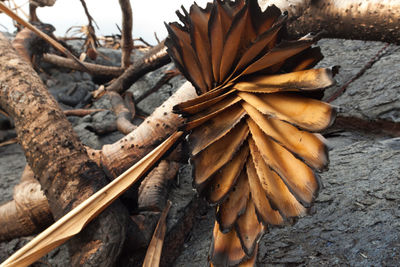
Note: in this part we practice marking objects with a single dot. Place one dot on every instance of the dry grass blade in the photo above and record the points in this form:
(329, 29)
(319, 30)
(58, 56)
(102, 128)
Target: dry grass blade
(153, 254)
(47, 38)
(73, 222)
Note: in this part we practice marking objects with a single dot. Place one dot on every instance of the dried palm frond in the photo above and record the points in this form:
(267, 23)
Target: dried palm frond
(253, 147)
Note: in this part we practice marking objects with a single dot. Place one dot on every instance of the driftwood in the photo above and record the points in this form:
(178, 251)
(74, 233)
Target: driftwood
(66, 174)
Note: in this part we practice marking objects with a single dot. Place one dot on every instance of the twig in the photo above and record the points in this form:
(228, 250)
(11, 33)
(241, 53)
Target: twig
(143, 41)
(155, 36)
(126, 42)
(164, 79)
(81, 112)
(4, 113)
(124, 124)
(91, 38)
(47, 38)
(90, 18)
(369, 64)
(130, 104)
(93, 69)
(9, 142)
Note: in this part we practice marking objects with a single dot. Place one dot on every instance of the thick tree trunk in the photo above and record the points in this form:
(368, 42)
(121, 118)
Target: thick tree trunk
(58, 159)
(372, 20)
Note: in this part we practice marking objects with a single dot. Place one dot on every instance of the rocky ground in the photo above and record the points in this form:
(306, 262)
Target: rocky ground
(356, 218)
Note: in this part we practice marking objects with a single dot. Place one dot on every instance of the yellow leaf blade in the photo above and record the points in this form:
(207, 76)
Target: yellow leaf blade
(73, 222)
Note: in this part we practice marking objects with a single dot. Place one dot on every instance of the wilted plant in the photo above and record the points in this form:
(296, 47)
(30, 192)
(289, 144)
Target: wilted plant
(253, 147)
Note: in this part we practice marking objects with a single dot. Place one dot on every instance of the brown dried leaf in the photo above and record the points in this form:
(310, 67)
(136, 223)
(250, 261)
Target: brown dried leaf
(307, 113)
(194, 109)
(223, 181)
(312, 79)
(214, 157)
(309, 146)
(235, 204)
(273, 186)
(249, 229)
(298, 176)
(201, 117)
(153, 254)
(265, 212)
(215, 128)
(280, 53)
(226, 249)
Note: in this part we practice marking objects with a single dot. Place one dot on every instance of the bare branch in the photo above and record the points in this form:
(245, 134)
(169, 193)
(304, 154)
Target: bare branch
(155, 58)
(127, 42)
(94, 69)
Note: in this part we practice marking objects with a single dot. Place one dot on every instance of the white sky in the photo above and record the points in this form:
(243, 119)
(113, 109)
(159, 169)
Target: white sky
(148, 16)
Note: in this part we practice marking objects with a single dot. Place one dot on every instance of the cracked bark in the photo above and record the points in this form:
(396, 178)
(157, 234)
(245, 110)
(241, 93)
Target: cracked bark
(372, 20)
(56, 156)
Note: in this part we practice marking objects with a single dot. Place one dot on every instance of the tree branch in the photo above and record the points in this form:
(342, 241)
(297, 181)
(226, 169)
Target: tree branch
(127, 41)
(369, 20)
(155, 58)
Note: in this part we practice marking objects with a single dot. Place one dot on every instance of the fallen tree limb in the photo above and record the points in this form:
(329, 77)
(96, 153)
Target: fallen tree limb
(94, 69)
(118, 157)
(66, 174)
(369, 20)
(155, 58)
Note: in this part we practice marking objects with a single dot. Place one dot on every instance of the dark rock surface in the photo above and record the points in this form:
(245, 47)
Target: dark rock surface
(355, 220)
